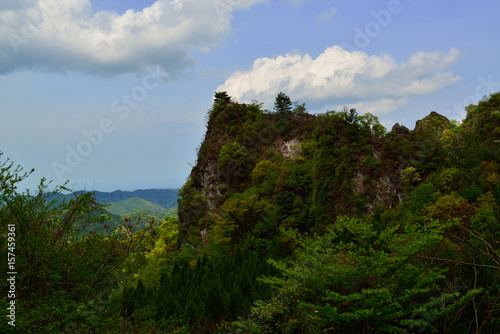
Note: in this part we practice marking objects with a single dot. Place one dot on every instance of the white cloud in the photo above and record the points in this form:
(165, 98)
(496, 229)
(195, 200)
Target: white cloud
(339, 74)
(61, 35)
(327, 16)
(379, 107)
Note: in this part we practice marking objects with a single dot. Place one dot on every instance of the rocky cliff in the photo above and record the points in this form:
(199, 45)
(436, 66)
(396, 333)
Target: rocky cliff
(259, 171)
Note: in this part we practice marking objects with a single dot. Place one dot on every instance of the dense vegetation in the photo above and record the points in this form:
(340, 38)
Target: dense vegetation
(154, 203)
(288, 223)
(214, 289)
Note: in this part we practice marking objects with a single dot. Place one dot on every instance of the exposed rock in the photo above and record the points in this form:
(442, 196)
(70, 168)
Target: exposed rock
(210, 188)
(290, 149)
(380, 194)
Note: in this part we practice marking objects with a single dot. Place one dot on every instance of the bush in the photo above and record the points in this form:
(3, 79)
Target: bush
(67, 259)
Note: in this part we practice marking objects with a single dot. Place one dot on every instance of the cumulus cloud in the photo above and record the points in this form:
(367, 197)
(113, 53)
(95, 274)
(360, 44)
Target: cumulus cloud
(380, 107)
(340, 74)
(62, 35)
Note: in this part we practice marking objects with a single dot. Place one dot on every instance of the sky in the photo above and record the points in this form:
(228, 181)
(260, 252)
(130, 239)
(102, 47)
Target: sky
(113, 94)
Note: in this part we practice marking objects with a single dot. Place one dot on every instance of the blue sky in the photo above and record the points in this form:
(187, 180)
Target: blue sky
(112, 94)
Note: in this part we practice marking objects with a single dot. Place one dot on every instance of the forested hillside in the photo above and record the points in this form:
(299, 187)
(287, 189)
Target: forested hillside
(288, 223)
(385, 231)
(167, 198)
(157, 204)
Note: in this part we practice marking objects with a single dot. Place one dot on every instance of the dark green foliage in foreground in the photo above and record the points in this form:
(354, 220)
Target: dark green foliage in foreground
(356, 280)
(213, 289)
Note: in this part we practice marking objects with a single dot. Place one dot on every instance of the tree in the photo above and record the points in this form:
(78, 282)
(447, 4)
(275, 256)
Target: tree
(283, 104)
(299, 108)
(371, 123)
(410, 178)
(356, 280)
(234, 161)
(66, 257)
(221, 98)
(350, 115)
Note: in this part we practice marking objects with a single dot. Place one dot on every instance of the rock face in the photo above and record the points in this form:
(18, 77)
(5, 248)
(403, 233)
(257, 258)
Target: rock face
(304, 169)
(290, 149)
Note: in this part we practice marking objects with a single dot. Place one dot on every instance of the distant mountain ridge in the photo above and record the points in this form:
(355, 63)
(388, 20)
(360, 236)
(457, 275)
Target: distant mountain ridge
(166, 198)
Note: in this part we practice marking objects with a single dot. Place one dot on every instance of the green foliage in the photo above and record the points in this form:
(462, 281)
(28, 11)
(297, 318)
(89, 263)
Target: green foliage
(448, 207)
(350, 116)
(446, 179)
(471, 193)
(233, 161)
(212, 289)
(299, 108)
(410, 178)
(308, 148)
(67, 258)
(371, 122)
(420, 196)
(370, 283)
(264, 176)
(483, 118)
(340, 140)
(132, 204)
(239, 215)
(166, 198)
